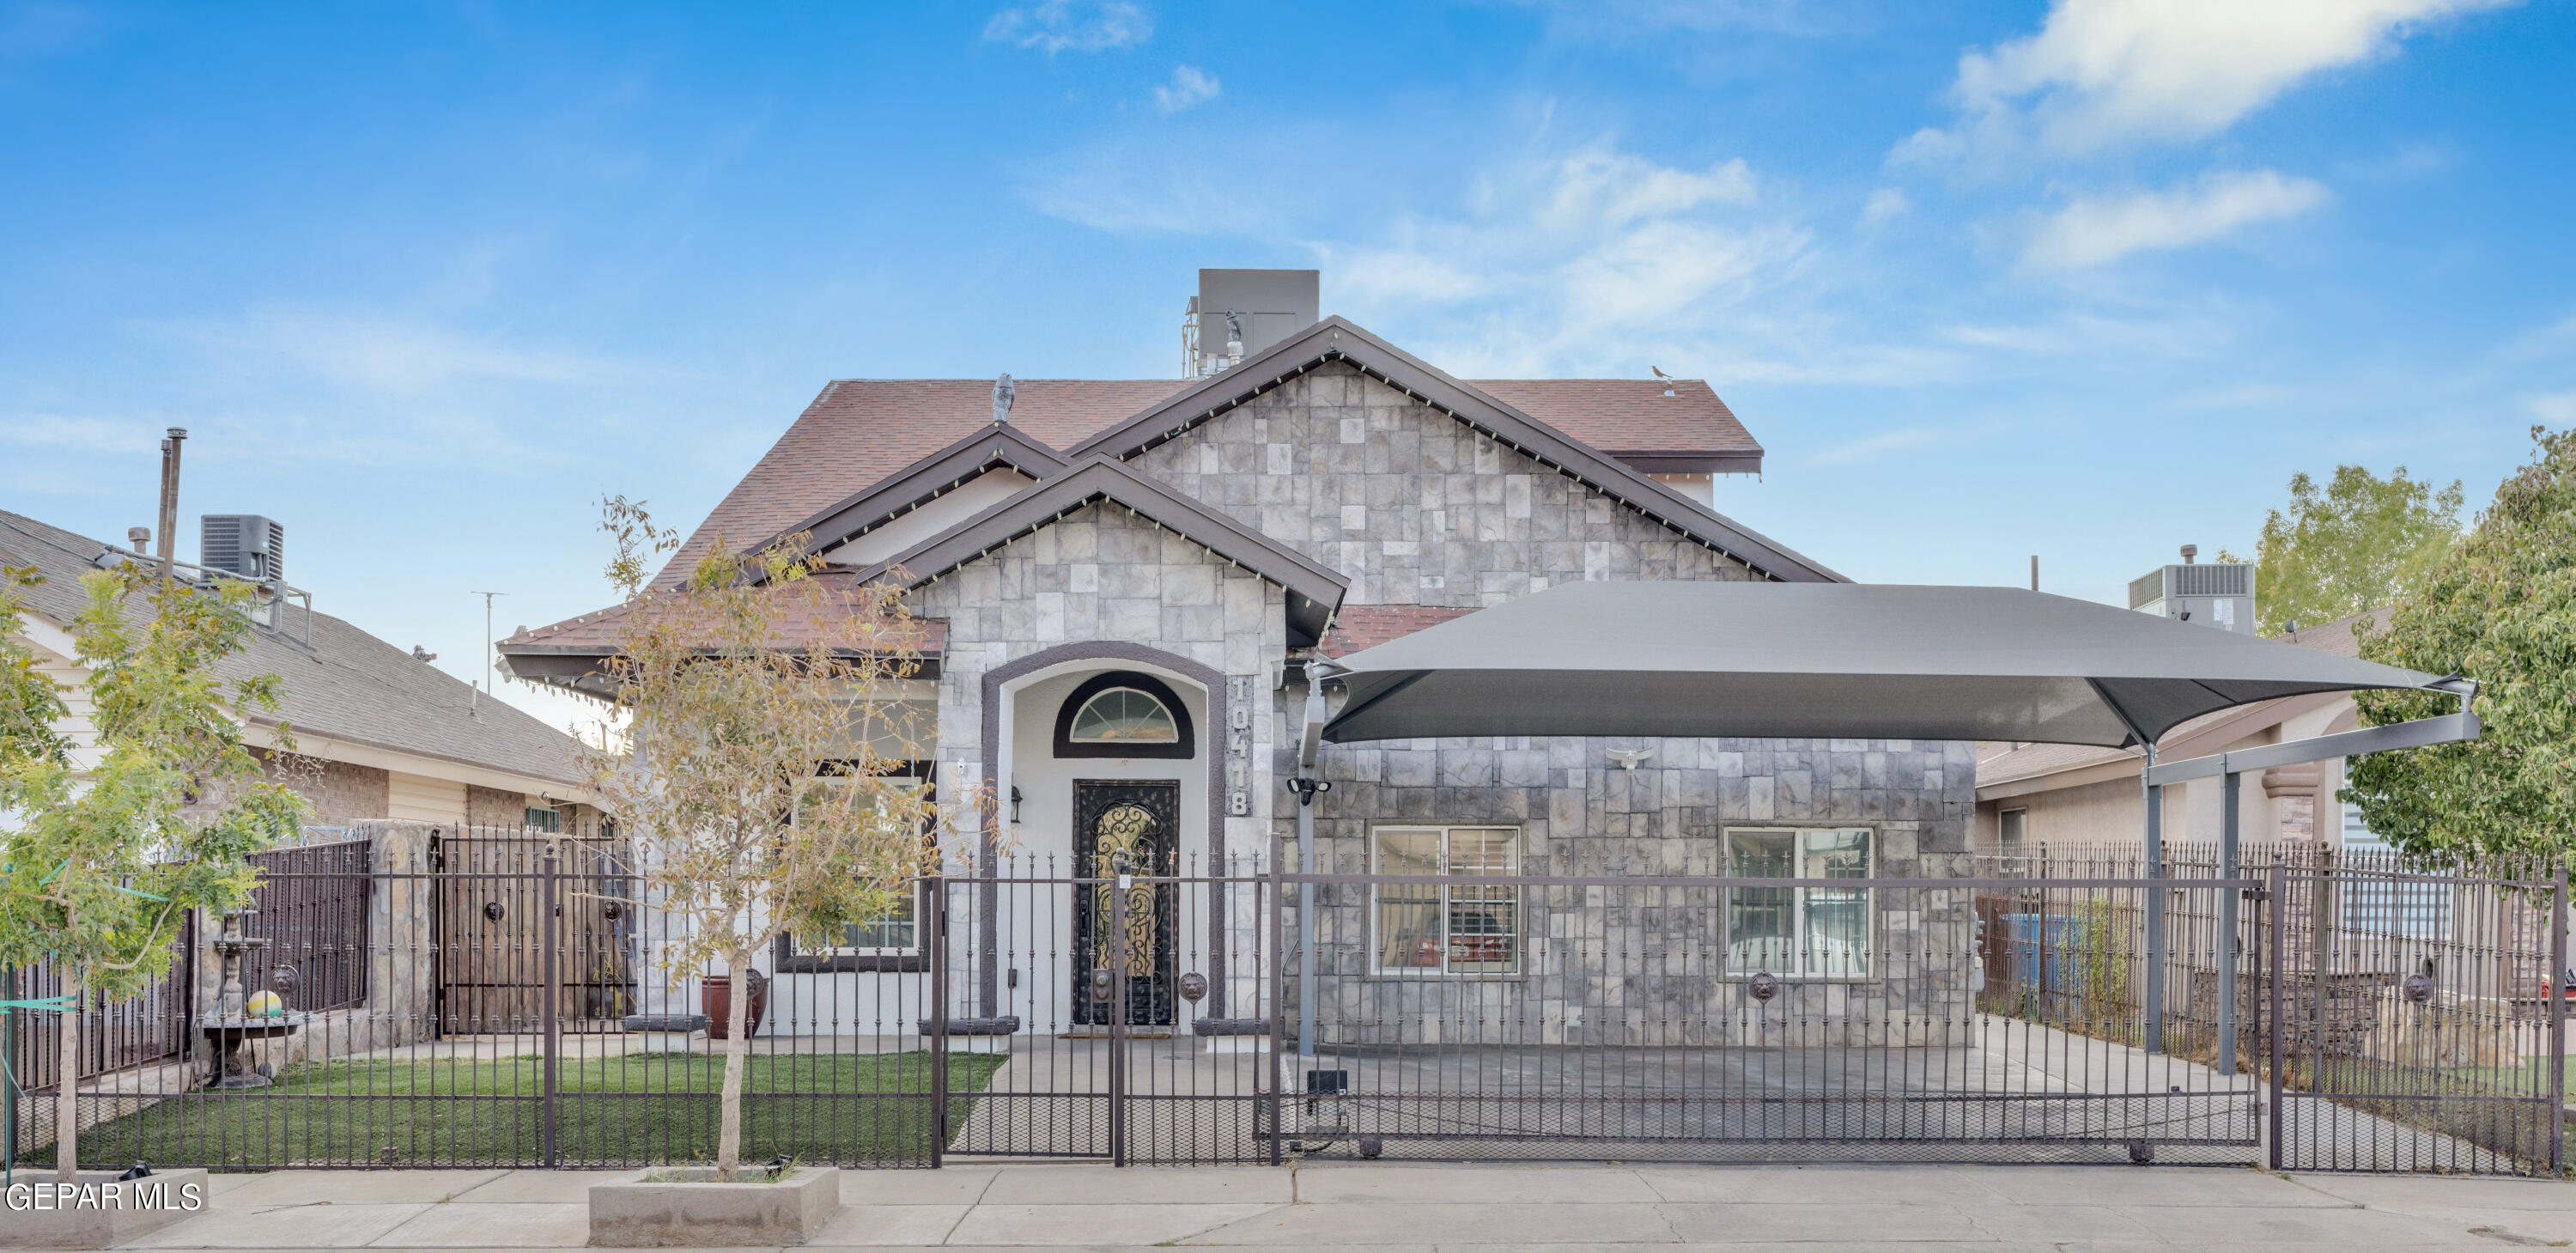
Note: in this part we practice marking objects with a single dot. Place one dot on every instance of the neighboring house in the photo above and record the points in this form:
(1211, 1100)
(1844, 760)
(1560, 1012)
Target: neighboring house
(1124, 580)
(379, 733)
(2068, 795)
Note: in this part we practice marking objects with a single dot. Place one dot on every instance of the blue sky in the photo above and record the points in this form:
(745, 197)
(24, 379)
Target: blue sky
(2089, 279)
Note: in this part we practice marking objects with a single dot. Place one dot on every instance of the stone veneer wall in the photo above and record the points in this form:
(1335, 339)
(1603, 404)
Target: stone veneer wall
(492, 807)
(1415, 508)
(1411, 505)
(1629, 966)
(1105, 574)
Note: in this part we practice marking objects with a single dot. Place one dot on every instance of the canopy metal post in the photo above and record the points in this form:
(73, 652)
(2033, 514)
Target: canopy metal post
(1306, 789)
(1310, 746)
(2155, 905)
(2227, 939)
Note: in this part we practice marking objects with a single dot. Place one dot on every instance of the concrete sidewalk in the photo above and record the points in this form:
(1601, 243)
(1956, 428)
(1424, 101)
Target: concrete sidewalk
(1390, 1206)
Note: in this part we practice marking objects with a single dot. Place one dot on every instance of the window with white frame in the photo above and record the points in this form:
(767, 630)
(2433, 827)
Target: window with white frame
(1818, 932)
(1447, 928)
(2012, 831)
(897, 932)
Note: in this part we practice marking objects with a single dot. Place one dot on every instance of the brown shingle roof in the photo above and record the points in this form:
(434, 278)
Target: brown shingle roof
(593, 634)
(1631, 417)
(1367, 626)
(860, 431)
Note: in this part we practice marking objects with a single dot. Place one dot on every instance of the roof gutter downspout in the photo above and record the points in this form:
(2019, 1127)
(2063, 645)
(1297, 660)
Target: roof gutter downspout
(1310, 745)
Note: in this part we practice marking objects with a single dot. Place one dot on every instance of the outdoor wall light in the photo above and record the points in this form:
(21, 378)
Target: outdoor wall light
(1015, 802)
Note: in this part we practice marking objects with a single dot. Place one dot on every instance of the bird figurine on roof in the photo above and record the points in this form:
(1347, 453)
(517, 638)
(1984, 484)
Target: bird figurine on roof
(1668, 379)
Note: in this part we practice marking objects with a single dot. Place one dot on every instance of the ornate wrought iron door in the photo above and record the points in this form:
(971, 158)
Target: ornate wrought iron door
(1135, 826)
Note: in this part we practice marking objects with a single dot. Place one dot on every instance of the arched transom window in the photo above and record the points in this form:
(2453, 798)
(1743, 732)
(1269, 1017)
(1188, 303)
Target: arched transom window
(1123, 714)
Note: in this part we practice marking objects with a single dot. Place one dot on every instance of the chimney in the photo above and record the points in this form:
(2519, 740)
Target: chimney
(1004, 392)
(1238, 313)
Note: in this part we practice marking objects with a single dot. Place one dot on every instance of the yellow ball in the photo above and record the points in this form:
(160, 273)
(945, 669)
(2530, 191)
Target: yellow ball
(265, 1005)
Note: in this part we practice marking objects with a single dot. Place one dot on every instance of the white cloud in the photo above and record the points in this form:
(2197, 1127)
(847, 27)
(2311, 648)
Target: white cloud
(2195, 331)
(1067, 26)
(1630, 20)
(1885, 204)
(1573, 261)
(2241, 396)
(2099, 229)
(1872, 447)
(1552, 259)
(2102, 72)
(99, 435)
(1190, 87)
(1614, 189)
(388, 355)
(2559, 407)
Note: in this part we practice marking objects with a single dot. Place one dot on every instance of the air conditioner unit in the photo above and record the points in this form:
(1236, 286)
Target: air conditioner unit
(242, 544)
(2219, 596)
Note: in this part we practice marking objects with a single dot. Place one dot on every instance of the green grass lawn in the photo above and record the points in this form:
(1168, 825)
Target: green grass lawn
(850, 1109)
(2528, 1079)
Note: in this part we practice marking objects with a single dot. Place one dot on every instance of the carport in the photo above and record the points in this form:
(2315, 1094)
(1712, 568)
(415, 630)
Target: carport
(1842, 661)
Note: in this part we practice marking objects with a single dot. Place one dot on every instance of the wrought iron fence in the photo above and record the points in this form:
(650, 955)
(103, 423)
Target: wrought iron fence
(1631, 1013)
(311, 907)
(116, 1035)
(507, 998)
(2421, 1004)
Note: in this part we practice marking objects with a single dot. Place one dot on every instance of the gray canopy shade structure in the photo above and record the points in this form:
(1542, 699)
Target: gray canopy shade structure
(1817, 660)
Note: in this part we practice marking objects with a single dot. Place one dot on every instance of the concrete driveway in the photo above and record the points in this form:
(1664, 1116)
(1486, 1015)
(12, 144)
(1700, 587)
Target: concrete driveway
(1390, 1206)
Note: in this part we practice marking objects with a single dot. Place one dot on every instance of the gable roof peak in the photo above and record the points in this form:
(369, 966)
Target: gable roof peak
(1314, 592)
(1336, 338)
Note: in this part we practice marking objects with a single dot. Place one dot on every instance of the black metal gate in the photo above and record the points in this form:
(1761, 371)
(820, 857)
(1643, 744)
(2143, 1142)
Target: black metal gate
(2420, 1019)
(1581, 1013)
(1030, 961)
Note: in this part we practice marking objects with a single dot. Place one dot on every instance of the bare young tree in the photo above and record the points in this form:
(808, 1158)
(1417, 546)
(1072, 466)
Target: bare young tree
(763, 774)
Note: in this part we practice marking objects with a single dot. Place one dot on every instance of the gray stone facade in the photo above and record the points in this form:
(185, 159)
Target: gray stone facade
(1103, 574)
(1628, 966)
(1411, 505)
(1414, 507)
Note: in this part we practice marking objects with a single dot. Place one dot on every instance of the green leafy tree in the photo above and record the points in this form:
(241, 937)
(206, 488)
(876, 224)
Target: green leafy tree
(103, 864)
(2359, 543)
(2500, 609)
(31, 704)
(762, 771)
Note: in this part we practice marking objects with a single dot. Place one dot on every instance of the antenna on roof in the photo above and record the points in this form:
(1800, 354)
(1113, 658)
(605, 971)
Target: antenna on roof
(488, 648)
(1004, 392)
